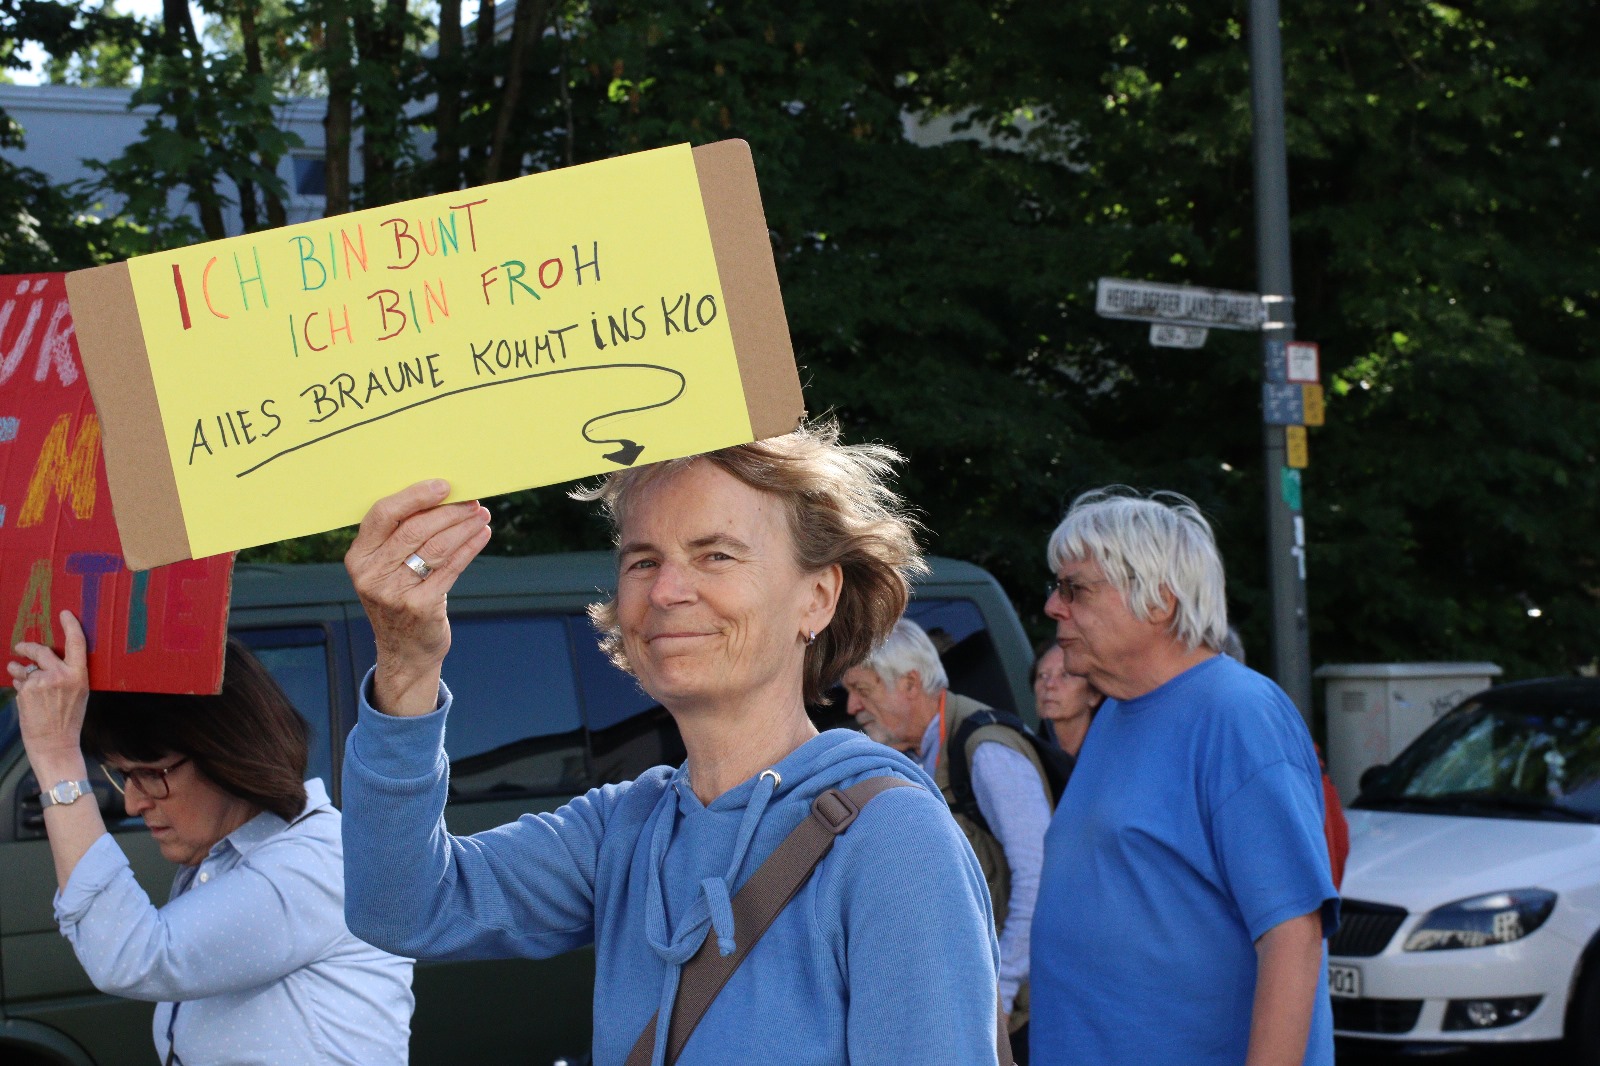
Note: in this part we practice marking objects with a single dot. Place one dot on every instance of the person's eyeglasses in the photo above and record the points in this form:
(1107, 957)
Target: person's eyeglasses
(152, 781)
(1067, 588)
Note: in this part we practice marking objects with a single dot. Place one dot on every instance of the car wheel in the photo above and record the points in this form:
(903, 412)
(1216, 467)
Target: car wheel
(1583, 1017)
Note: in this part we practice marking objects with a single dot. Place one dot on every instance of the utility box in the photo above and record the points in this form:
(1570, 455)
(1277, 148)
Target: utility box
(1376, 709)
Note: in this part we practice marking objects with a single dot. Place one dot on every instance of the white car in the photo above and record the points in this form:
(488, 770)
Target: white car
(1472, 891)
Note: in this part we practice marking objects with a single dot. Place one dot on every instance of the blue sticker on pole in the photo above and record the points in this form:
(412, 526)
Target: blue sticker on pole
(1275, 368)
(1283, 405)
(1291, 488)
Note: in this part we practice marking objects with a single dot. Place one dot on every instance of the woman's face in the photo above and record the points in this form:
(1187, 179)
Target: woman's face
(1061, 696)
(711, 604)
(193, 817)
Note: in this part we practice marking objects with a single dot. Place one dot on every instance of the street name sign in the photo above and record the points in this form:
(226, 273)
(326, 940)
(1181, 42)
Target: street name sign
(1184, 305)
(1165, 335)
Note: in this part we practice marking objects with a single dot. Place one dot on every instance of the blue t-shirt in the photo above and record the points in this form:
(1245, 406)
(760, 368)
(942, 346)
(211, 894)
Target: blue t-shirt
(1193, 824)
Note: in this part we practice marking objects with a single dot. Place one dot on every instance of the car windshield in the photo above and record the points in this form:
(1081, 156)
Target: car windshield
(1497, 760)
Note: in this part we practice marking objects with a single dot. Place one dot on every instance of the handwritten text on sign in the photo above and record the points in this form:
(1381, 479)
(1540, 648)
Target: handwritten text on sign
(524, 333)
(159, 630)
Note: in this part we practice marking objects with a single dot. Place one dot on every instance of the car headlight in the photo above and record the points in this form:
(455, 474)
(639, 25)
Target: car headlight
(1496, 918)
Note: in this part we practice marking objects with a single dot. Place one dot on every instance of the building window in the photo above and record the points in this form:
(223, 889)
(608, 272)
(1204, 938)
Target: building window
(310, 175)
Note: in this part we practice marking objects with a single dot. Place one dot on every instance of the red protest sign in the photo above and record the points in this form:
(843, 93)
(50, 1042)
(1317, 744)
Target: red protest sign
(159, 630)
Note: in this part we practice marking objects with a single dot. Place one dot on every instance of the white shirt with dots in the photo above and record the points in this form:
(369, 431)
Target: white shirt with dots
(250, 961)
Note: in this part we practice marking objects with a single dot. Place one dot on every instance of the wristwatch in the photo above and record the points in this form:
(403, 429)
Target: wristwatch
(64, 792)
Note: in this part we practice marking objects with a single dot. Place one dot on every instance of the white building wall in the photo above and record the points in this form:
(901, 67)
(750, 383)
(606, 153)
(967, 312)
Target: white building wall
(65, 125)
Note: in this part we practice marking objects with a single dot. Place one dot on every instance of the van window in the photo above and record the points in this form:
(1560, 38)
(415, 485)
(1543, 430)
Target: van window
(609, 695)
(298, 660)
(629, 731)
(514, 729)
(966, 649)
(9, 733)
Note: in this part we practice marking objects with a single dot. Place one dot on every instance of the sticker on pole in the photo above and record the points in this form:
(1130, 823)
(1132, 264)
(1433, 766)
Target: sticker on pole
(1297, 455)
(1282, 405)
(1314, 406)
(1303, 362)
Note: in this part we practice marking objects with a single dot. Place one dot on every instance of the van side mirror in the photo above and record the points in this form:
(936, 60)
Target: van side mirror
(1373, 777)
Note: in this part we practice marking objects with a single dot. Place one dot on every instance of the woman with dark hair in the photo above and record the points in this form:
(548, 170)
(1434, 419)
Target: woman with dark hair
(250, 960)
(748, 580)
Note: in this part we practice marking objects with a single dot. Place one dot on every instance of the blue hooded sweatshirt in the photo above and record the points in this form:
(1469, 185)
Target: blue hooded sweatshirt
(886, 956)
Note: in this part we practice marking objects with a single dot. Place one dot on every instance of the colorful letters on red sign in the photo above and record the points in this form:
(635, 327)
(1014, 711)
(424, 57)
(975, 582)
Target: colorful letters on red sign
(160, 630)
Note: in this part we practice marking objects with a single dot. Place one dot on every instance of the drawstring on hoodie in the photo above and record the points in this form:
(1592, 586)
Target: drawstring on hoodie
(713, 905)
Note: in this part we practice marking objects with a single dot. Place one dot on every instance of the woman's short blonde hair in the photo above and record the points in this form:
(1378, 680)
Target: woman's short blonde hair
(841, 511)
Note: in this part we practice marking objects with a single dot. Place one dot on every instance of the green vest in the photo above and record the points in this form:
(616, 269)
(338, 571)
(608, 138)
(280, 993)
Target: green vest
(991, 857)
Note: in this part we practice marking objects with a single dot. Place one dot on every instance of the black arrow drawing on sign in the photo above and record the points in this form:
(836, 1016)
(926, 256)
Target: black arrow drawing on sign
(628, 454)
(628, 447)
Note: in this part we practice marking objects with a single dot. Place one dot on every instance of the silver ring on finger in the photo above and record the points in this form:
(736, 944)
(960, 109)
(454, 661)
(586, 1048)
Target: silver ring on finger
(30, 669)
(419, 566)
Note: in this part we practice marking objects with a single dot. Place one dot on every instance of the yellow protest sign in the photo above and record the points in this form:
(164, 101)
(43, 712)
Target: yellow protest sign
(525, 333)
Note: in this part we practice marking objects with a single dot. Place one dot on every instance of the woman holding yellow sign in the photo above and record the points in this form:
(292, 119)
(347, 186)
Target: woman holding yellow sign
(784, 896)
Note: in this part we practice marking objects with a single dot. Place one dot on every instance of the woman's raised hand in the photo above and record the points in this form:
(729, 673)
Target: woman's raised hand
(404, 561)
(52, 695)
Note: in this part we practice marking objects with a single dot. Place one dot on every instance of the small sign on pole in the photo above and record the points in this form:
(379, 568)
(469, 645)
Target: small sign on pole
(1282, 405)
(1312, 401)
(1296, 453)
(1165, 335)
(1303, 362)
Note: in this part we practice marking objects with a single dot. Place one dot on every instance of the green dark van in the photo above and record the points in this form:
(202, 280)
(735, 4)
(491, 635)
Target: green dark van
(541, 716)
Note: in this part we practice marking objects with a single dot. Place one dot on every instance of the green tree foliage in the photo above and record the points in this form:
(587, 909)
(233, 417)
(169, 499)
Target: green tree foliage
(944, 183)
(941, 296)
(214, 123)
(43, 226)
(107, 63)
(1448, 234)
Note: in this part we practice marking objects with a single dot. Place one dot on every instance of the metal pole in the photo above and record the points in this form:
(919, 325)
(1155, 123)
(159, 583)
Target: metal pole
(1291, 643)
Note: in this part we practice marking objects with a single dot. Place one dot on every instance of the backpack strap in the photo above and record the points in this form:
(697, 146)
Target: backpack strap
(965, 801)
(757, 903)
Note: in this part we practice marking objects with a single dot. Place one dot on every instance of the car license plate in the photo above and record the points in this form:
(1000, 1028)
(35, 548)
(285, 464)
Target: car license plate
(1344, 982)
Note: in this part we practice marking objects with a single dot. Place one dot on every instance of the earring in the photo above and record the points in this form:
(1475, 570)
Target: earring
(811, 638)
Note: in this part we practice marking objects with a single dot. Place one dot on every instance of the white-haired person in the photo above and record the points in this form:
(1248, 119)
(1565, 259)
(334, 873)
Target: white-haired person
(997, 789)
(1186, 891)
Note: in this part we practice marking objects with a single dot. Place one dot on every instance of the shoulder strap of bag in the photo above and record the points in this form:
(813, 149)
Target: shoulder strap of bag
(755, 906)
(965, 801)
(757, 903)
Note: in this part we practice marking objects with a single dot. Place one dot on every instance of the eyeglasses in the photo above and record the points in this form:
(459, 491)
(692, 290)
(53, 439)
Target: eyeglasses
(1067, 588)
(152, 781)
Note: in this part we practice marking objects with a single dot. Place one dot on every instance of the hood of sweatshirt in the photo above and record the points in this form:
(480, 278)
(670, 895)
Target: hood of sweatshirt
(700, 854)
